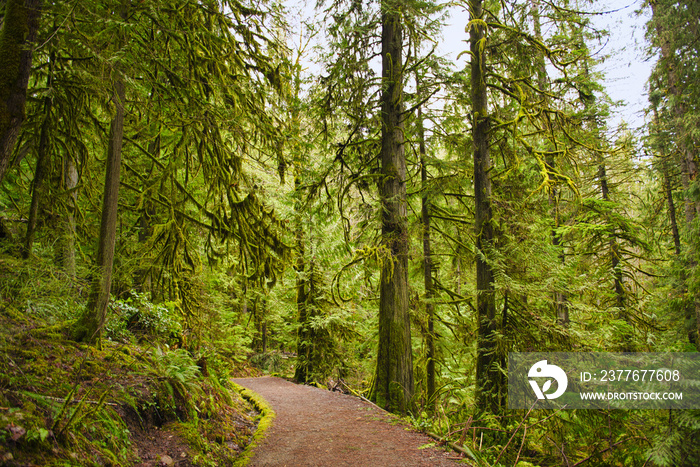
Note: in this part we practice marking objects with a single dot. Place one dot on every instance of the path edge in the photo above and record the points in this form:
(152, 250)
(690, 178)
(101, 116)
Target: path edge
(267, 416)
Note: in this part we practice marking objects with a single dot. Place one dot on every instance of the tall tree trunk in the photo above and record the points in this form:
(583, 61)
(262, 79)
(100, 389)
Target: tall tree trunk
(488, 376)
(393, 385)
(615, 260)
(675, 232)
(668, 192)
(42, 161)
(66, 252)
(19, 31)
(588, 99)
(561, 307)
(618, 287)
(92, 322)
(304, 365)
(427, 266)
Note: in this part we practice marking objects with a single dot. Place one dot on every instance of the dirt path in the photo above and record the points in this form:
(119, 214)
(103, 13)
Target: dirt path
(323, 428)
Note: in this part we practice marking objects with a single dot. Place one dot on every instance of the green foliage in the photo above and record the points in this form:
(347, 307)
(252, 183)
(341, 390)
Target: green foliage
(177, 366)
(267, 416)
(70, 403)
(136, 315)
(218, 255)
(273, 361)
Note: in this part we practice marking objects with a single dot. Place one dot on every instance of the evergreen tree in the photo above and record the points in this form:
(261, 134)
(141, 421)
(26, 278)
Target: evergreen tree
(19, 31)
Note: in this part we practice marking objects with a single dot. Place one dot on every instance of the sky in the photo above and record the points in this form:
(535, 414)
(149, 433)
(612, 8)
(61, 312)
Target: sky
(626, 70)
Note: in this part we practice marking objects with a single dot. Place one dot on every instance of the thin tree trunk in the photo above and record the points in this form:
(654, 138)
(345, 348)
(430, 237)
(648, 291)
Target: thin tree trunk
(427, 268)
(41, 168)
(675, 232)
(42, 162)
(487, 374)
(91, 324)
(66, 256)
(668, 192)
(560, 299)
(263, 325)
(615, 262)
(615, 254)
(143, 275)
(393, 385)
(19, 31)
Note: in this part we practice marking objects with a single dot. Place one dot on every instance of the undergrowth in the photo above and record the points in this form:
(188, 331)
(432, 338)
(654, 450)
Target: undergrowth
(68, 403)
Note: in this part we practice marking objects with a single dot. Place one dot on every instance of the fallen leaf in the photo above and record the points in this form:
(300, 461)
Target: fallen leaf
(16, 432)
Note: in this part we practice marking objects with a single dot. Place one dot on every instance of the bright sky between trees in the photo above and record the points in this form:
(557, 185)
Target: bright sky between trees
(626, 67)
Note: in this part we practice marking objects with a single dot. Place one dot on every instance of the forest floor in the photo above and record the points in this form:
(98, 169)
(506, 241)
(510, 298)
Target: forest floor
(314, 427)
(133, 404)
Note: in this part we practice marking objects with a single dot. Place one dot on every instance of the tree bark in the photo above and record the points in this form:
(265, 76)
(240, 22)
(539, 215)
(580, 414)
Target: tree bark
(393, 385)
(427, 267)
(487, 372)
(19, 32)
(91, 324)
(41, 167)
(66, 255)
(304, 364)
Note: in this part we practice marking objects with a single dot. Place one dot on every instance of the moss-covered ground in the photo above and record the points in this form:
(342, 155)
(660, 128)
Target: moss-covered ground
(134, 402)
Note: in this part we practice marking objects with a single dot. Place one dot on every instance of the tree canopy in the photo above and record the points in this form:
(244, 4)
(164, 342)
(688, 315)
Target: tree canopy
(317, 191)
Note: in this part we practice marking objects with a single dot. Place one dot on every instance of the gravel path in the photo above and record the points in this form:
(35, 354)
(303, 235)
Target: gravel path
(322, 428)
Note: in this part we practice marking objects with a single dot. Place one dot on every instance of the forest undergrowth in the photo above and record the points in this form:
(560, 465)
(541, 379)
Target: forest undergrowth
(137, 400)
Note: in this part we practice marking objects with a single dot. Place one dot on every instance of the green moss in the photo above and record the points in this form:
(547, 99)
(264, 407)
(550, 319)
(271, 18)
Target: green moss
(12, 38)
(267, 416)
(213, 436)
(73, 401)
(14, 33)
(75, 404)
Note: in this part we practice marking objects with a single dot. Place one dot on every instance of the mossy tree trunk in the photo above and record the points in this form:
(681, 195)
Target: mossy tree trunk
(66, 245)
(393, 385)
(427, 267)
(19, 31)
(42, 165)
(91, 324)
(143, 276)
(488, 376)
(304, 364)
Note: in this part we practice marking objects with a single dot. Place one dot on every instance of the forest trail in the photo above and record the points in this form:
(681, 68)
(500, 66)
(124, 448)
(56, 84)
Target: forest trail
(315, 427)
